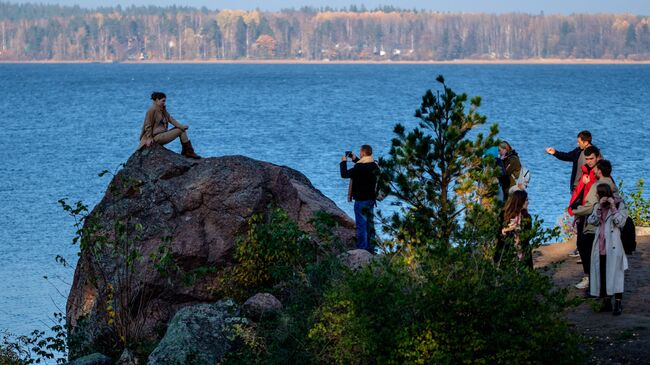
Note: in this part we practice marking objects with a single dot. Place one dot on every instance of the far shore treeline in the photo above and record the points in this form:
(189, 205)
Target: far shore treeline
(62, 33)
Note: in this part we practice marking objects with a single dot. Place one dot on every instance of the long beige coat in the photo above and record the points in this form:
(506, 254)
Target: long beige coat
(155, 121)
(616, 259)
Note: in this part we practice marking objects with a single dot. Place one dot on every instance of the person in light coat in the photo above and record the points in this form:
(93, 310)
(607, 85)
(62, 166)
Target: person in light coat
(608, 260)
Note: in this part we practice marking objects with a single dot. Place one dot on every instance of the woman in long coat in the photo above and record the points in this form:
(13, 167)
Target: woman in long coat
(608, 260)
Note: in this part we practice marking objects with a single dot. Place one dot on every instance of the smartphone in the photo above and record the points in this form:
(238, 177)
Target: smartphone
(348, 153)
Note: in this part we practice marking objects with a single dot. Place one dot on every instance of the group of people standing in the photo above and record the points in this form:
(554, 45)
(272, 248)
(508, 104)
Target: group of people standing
(599, 211)
(599, 215)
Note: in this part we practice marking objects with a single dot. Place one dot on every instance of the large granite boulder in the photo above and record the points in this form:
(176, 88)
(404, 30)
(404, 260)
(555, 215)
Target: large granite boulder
(191, 211)
(200, 334)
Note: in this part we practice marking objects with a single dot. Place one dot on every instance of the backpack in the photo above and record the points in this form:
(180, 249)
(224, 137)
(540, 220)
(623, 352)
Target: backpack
(628, 236)
(379, 194)
(523, 179)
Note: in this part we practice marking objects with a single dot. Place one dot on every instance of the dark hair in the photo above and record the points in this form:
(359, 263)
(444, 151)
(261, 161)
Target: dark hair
(585, 136)
(515, 204)
(605, 167)
(157, 95)
(367, 149)
(604, 191)
(592, 150)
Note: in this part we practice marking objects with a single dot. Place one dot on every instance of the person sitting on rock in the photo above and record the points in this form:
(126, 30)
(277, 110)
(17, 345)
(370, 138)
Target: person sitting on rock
(156, 122)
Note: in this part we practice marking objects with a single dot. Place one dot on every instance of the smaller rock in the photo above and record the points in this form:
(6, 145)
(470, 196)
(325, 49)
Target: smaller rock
(93, 359)
(201, 334)
(261, 304)
(356, 259)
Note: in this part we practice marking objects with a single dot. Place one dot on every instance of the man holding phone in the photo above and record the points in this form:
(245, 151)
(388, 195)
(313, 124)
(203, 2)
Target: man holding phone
(363, 183)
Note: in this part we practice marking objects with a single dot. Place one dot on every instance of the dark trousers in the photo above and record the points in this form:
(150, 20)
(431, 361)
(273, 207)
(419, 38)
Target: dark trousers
(603, 279)
(584, 242)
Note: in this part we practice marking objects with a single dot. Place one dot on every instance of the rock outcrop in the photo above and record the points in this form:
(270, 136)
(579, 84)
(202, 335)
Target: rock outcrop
(200, 334)
(189, 210)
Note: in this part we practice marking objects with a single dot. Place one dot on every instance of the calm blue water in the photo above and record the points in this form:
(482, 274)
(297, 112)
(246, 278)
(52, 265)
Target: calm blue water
(62, 124)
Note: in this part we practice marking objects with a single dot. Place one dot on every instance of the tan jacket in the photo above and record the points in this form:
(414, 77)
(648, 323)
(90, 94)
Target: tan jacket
(592, 198)
(156, 121)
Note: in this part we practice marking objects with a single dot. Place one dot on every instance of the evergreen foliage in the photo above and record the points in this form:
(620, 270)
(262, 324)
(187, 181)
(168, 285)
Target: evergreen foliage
(435, 172)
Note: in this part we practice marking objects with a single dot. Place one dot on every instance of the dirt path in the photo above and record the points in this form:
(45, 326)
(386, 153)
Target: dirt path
(613, 340)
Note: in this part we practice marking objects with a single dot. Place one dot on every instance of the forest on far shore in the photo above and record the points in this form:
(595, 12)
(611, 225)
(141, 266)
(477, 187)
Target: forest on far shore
(62, 33)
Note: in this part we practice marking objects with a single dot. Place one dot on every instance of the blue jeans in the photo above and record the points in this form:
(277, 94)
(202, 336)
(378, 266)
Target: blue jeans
(364, 217)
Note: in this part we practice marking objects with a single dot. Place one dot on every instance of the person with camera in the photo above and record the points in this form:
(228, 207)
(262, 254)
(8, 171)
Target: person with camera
(363, 183)
(156, 122)
(608, 259)
(577, 158)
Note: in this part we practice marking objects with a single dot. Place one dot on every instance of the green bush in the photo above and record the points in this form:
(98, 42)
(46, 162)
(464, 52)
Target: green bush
(638, 206)
(300, 270)
(273, 250)
(457, 310)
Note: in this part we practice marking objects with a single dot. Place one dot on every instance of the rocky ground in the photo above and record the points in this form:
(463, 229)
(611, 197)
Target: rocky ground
(612, 340)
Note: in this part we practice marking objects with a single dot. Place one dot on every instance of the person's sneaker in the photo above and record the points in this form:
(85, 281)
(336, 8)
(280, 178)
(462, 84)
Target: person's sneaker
(583, 284)
(574, 253)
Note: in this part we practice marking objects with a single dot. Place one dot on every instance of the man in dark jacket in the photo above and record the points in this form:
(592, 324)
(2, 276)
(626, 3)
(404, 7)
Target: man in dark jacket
(363, 184)
(577, 156)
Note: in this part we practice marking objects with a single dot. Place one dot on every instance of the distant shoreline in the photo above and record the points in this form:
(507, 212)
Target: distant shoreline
(545, 61)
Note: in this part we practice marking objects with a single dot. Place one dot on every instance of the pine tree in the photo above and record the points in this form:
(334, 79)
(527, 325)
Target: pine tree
(436, 173)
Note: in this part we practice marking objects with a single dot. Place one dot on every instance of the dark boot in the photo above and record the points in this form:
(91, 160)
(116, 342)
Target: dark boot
(606, 305)
(618, 308)
(188, 150)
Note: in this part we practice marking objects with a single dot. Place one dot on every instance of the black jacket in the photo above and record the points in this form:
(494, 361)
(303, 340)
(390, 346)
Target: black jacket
(572, 156)
(364, 177)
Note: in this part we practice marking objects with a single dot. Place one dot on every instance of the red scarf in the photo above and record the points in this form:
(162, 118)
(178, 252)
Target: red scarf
(582, 186)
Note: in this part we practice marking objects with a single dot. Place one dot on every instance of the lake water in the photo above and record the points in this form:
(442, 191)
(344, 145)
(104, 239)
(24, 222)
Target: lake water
(62, 124)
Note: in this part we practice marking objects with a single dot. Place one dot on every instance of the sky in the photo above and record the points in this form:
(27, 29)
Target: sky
(639, 7)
